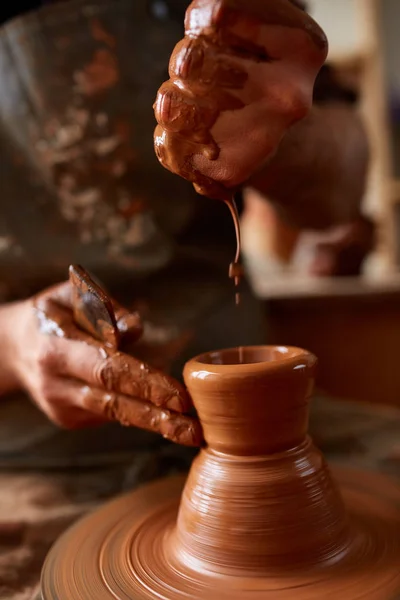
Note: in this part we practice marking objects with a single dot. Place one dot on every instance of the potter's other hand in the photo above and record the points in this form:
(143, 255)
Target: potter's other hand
(243, 74)
(78, 382)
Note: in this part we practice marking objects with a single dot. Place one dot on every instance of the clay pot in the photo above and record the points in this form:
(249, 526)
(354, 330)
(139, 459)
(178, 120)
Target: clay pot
(259, 517)
(259, 496)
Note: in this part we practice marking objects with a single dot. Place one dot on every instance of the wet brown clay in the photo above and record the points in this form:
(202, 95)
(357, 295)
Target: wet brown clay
(235, 268)
(260, 516)
(228, 80)
(211, 91)
(259, 477)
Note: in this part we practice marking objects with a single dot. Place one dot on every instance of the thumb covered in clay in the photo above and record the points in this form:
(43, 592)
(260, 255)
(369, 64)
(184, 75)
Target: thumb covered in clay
(243, 74)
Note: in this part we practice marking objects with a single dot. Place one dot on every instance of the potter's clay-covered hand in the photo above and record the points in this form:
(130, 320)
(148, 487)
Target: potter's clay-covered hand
(243, 74)
(78, 382)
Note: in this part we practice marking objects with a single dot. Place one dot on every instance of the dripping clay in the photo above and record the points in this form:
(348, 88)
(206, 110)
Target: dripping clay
(228, 75)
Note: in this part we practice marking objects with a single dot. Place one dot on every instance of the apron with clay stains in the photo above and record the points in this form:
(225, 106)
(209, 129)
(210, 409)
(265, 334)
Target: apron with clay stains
(81, 184)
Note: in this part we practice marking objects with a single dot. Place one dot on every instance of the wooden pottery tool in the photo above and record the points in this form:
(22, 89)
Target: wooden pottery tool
(93, 308)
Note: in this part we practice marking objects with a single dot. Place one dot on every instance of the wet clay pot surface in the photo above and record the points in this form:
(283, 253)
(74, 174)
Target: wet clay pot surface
(259, 515)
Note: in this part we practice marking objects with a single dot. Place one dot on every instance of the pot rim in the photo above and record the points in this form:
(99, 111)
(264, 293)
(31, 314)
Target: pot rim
(259, 359)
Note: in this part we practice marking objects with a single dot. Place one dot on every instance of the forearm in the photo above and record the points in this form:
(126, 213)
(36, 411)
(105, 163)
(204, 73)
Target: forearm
(8, 379)
(317, 178)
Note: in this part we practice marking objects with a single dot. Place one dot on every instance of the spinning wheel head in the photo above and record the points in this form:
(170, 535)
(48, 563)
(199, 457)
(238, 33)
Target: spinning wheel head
(121, 552)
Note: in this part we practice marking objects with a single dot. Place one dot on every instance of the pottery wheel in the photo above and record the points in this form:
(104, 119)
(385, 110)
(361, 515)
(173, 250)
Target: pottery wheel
(120, 552)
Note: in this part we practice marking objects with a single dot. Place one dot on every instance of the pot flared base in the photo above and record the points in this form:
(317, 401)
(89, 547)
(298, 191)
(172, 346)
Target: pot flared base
(122, 552)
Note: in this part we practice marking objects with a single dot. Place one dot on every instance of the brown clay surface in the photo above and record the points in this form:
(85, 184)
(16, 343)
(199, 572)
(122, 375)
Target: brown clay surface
(122, 552)
(259, 516)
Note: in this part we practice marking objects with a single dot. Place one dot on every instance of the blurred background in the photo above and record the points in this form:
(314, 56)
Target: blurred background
(351, 323)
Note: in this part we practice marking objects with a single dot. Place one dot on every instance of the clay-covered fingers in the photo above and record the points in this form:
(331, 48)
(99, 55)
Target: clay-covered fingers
(242, 76)
(129, 411)
(71, 405)
(121, 373)
(67, 360)
(118, 387)
(198, 64)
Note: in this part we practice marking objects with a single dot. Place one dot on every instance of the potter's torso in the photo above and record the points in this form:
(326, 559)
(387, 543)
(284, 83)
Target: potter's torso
(80, 180)
(81, 183)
